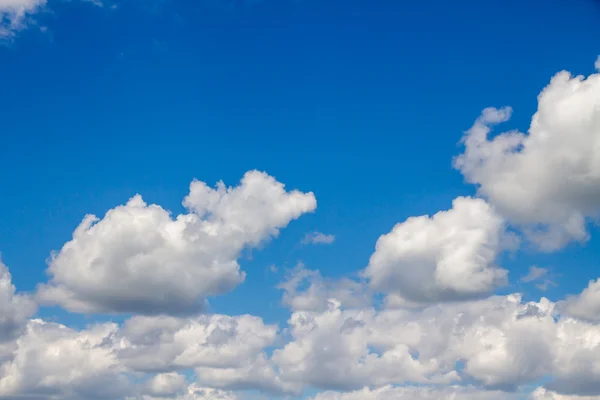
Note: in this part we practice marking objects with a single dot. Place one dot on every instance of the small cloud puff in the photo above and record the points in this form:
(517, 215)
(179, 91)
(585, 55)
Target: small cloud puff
(534, 274)
(318, 238)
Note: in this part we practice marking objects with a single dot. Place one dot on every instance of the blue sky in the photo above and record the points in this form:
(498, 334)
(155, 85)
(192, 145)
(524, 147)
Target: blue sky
(361, 102)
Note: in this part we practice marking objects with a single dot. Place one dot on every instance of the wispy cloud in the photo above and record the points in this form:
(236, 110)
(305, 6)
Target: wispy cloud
(541, 275)
(15, 15)
(545, 285)
(534, 274)
(98, 3)
(318, 238)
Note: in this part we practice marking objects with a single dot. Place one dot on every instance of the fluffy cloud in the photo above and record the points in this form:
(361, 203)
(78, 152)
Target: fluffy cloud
(546, 181)
(448, 256)
(53, 361)
(586, 305)
(15, 310)
(104, 361)
(225, 352)
(544, 394)
(307, 290)
(347, 349)
(15, 15)
(576, 358)
(139, 259)
(511, 345)
(318, 238)
(166, 385)
(165, 343)
(254, 374)
(500, 343)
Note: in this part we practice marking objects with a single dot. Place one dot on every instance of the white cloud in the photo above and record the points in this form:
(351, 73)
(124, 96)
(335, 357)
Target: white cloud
(586, 305)
(501, 342)
(225, 352)
(318, 238)
(510, 346)
(546, 181)
(166, 343)
(597, 64)
(315, 296)
(448, 256)
(196, 392)
(334, 350)
(16, 14)
(139, 259)
(15, 310)
(258, 373)
(53, 361)
(418, 393)
(544, 394)
(166, 385)
(104, 361)
(576, 358)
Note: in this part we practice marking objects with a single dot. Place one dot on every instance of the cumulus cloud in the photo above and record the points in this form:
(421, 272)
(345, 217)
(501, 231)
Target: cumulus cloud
(334, 350)
(318, 238)
(16, 14)
(139, 259)
(307, 290)
(398, 346)
(104, 361)
(576, 366)
(166, 343)
(548, 180)
(585, 305)
(501, 343)
(254, 374)
(53, 361)
(225, 352)
(15, 310)
(544, 394)
(166, 385)
(449, 256)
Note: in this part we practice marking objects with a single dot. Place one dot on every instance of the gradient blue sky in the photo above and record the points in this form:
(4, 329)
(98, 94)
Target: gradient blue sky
(361, 102)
